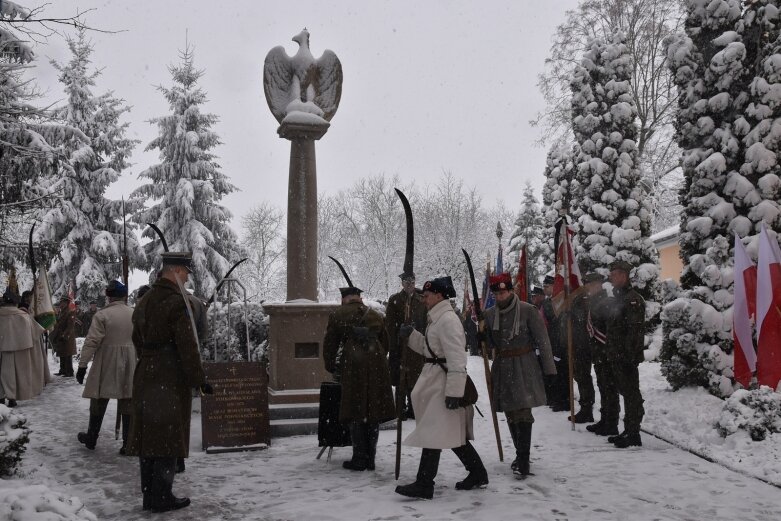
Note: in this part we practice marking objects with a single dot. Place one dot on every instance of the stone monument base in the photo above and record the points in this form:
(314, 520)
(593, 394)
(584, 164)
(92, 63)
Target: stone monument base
(295, 364)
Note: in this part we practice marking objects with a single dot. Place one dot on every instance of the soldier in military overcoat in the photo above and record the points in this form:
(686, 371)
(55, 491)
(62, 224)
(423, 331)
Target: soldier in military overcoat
(515, 330)
(355, 350)
(63, 337)
(405, 307)
(168, 370)
(624, 350)
(557, 387)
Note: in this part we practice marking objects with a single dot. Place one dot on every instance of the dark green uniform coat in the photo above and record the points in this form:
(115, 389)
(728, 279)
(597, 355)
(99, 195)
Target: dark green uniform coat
(624, 351)
(401, 309)
(169, 368)
(365, 378)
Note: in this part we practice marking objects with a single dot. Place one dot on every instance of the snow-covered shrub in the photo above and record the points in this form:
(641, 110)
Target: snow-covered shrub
(757, 411)
(22, 502)
(14, 435)
(228, 332)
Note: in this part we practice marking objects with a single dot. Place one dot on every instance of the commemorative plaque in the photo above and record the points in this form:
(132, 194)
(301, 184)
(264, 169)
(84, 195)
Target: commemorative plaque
(235, 417)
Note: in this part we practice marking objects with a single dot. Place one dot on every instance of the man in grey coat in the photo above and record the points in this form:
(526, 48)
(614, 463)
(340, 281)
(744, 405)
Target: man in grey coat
(514, 329)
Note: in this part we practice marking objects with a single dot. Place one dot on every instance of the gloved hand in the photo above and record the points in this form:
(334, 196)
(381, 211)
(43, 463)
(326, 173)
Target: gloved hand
(405, 330)
(452, 402)
(206, 389)
(80, 374)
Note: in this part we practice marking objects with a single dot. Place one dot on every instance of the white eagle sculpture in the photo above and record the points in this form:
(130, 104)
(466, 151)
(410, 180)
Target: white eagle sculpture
(302, 89)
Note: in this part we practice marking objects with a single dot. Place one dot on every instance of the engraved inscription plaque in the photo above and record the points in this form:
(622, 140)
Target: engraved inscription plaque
(236, 416)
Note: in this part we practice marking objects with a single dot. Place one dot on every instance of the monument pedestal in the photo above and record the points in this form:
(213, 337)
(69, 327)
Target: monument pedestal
(295, 364)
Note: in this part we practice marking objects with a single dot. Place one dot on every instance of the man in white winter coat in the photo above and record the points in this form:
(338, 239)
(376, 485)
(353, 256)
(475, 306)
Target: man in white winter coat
(441, 421)
(109, 345)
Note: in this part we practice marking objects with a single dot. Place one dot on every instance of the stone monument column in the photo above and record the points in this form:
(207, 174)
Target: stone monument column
(303, 93)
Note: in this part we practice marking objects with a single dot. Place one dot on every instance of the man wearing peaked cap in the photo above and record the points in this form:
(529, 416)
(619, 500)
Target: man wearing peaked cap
(355, 351)
(168, 370)
(109, 346)
(515, 329)
(624, 350)
(405, 307)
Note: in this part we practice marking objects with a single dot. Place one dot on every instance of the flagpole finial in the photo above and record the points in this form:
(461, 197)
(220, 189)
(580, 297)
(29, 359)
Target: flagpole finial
(499, 230)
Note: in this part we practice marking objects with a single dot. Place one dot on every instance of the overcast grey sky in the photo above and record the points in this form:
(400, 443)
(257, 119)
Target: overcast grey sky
(428, 86)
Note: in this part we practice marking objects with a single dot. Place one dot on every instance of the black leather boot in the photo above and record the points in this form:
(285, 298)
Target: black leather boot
(584, 415)
(423, 486)
(373, 436)
(359, 435)
(125, 433)
(90, 438)
(478, 476)
(524, 431)
(516, 444)
(606, 428)
(163, 499)
(628, 439)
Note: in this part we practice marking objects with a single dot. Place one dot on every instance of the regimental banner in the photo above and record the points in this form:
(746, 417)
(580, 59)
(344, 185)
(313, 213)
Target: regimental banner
(235, 417)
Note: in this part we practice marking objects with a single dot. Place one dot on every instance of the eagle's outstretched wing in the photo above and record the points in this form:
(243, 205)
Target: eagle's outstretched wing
(277, 77)
(328, 86)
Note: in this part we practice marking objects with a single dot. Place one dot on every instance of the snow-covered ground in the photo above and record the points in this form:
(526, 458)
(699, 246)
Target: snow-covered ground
(577, 475)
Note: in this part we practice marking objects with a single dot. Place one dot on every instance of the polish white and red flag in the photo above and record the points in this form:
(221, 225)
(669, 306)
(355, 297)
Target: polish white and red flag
(744, 311)
(566, 268)
(768, 311)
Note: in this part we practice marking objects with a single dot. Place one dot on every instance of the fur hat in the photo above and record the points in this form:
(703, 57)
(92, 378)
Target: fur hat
(548, 280)
(502, 281)
(593, 277)
(536, 290)
(441, 285)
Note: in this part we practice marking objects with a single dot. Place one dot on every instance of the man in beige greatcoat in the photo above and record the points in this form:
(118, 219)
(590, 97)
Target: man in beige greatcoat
(22, 373)
(441, 422)
(109, 346)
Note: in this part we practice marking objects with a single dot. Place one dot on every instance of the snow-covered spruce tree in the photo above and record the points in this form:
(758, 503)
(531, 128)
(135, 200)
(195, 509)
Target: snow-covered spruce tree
(86, 226)
(558, 193)
(614, 213)
(708, 64)
(29, 142)
(530, 231)
(755, 190)
(187, 184)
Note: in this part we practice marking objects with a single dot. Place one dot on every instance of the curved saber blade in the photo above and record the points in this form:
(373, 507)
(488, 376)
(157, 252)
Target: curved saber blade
(344, 272)
(409, 253)
(222, 281)
(160, 234)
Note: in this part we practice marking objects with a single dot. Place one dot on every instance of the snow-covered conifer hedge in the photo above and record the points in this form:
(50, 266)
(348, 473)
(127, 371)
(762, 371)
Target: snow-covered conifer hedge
(14, 436)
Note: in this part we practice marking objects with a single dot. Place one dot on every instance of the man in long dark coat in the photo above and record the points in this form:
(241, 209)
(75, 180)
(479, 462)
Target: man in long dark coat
(514, 329)
(63, 337)
(557, 387)
(168, 369)
(405, 307)
(355, 348)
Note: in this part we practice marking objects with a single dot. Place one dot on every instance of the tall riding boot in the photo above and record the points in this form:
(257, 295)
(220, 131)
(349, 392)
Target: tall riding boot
(517, 444)
(423, 486)
(524, 433)
(478, 476)
(360, 440)
(67, 365)
(125, 433)
(163, 499)
(147, 474)
(373, 435)
(97, 409)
